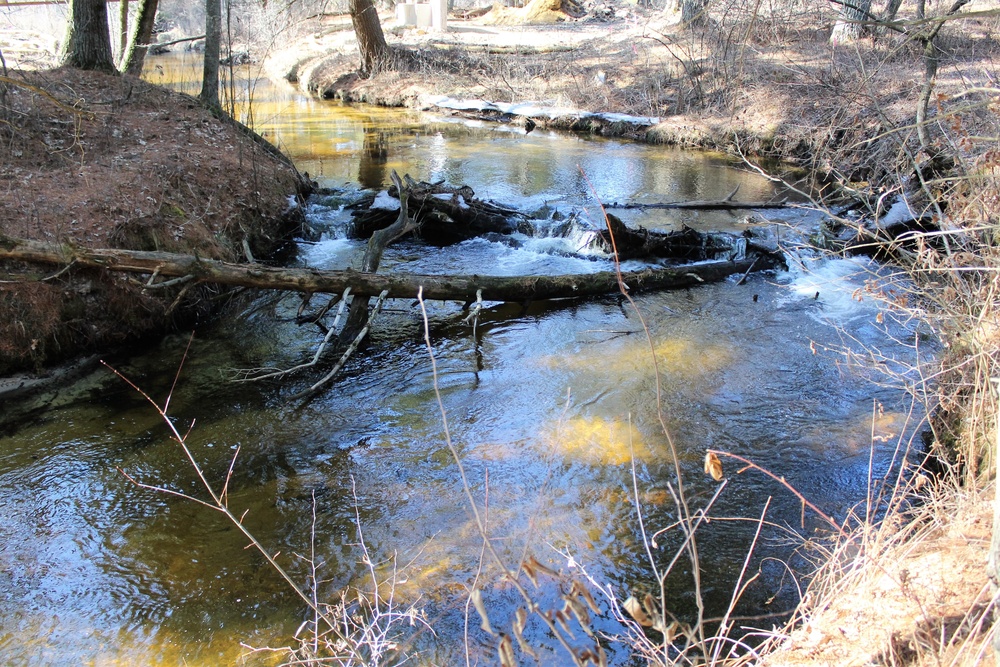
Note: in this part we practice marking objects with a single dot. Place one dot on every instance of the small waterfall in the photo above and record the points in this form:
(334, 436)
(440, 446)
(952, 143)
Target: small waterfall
(573, 235)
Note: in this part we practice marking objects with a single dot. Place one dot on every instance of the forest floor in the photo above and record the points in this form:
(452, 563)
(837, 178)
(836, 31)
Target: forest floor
(110, 161)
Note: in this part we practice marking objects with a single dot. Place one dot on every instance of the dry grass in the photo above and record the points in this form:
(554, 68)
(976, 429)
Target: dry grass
(910, 591)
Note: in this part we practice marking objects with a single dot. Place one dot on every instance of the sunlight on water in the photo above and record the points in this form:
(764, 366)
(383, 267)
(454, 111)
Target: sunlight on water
(599, 441)
(338, 144)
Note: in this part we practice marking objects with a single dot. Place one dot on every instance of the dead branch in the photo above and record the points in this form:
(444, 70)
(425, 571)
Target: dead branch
(373, 257)
(256, 375)
(326, 379)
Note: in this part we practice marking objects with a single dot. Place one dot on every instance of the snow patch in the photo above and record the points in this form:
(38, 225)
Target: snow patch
(532, 110)
(384, 202)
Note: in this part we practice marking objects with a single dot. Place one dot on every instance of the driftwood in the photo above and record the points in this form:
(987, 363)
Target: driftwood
(685, 245)
(877, 240)
(703, 205)
(460, 288)
(358, 317)
(444, 214)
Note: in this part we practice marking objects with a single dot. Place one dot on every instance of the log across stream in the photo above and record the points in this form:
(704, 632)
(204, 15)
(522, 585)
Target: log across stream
(443, 215)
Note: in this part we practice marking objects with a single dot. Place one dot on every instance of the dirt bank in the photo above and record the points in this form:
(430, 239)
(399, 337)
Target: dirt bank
(105, 161)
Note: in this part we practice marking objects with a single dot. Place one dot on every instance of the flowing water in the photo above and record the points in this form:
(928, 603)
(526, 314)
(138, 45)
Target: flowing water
(553, 408)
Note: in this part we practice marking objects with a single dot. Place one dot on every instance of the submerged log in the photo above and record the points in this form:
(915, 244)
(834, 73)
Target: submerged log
(460, 288)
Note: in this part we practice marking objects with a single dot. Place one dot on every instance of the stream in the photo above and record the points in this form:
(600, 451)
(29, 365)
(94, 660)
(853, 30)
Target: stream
(552, 407)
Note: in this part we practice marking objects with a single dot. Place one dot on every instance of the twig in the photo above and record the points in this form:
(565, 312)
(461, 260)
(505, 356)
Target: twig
(173, 42)
(217, 503)
(150, 285)
(330, 332)
(683, 508)
(739, 587)
(348, 352)
(781, 480)
(510, 576)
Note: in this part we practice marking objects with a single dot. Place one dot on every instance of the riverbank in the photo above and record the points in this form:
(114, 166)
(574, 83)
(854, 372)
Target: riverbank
(106, 161)
(761, 85)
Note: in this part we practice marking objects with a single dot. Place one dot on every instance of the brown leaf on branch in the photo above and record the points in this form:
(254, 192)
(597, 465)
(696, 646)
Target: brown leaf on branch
(713, 466)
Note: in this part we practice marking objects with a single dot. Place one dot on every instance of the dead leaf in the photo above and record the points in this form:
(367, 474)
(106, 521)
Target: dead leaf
(506, 651)
(581, 591)
(562, 617)
(520, 620)
(477, 602)
(580, 611)
(602, 657)
(541, 568)
(713, 466)
(634, 610)
(530, 571)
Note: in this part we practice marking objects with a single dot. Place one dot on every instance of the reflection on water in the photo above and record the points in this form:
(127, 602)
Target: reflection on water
(338, 144)
(552, 407)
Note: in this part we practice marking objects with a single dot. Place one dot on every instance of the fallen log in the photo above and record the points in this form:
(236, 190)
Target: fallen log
(444, 287)
(726, 204)
(685, 244)
(702, 205)
(447, 214)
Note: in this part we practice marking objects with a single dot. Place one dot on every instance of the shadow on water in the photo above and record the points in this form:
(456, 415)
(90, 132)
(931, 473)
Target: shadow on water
(552, 407)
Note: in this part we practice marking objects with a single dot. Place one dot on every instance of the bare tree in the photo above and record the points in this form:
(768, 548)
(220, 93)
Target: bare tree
(891, 9)
(134, 54)
(88, 41)
(851, 24)
(209, 94)
(122, 26)
(686, 12)
(371, 39)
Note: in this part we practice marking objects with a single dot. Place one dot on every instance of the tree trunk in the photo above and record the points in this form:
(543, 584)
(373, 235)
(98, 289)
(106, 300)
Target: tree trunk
(88, 41)
(142, 34)
(122, 27)
(850, 26)
(371, 39)
(891, 9)
(401, 286)
(209, 94)
(687, 12)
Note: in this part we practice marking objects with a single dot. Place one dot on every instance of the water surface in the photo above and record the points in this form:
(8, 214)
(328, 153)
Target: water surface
(551, 406)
